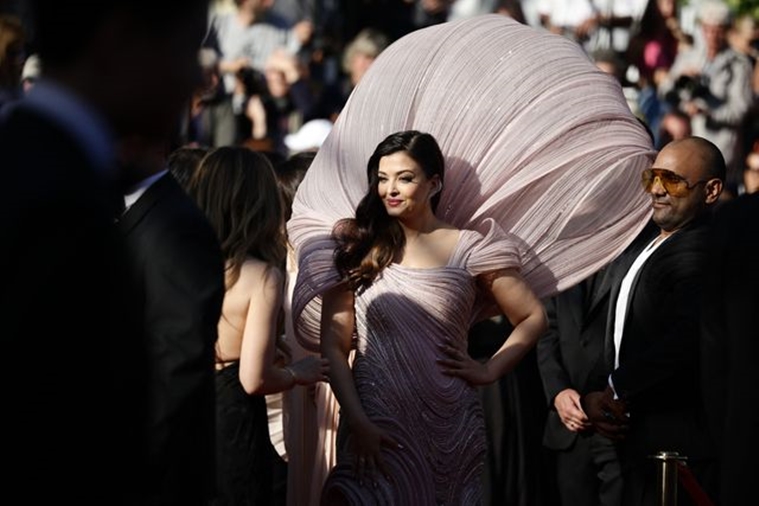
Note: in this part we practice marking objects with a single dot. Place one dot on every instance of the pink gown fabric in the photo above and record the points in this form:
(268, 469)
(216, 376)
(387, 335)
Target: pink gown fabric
(401, 321)
(310, 423)
(543, 160)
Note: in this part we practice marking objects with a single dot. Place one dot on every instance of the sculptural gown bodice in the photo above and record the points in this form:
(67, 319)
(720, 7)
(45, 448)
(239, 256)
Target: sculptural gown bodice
(402, 321)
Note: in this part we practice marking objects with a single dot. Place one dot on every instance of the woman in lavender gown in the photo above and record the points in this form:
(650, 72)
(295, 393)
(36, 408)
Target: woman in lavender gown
(414, 429)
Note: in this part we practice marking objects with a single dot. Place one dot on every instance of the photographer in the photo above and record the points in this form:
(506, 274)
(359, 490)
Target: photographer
(277, 102)
(244, 39)
(711, 83)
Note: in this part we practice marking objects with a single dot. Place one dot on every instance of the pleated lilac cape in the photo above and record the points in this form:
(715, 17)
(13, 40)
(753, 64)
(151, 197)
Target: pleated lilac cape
(539, 144)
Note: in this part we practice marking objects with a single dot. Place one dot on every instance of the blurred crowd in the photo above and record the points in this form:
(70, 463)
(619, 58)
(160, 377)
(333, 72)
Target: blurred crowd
(272, 67)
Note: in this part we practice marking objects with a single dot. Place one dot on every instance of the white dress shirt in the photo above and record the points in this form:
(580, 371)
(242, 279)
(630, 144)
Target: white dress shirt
(137, 190)
(623, 301)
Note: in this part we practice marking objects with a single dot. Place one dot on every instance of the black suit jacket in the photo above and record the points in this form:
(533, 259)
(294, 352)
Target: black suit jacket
(571, 353)
(73, 360)
(575, 352)
(730, 344)
(177, 266)
(658, 373)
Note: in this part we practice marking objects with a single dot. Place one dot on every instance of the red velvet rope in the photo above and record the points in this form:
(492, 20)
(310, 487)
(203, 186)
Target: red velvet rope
(691, 485)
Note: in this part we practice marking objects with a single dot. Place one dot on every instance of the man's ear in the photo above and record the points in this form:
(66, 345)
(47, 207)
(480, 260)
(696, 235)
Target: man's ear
(713, 189)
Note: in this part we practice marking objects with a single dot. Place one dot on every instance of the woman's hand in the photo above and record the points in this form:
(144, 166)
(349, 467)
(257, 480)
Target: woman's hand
(367, 440)
(459, 364)
(569, 407)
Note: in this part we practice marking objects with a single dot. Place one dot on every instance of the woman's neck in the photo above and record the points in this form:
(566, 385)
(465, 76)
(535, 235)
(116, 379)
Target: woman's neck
(420, 226)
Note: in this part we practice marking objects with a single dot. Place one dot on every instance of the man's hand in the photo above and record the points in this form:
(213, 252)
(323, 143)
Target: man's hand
(608, 416)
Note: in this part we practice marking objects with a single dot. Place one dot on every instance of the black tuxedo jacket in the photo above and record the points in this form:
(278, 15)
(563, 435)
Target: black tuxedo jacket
(177, 267)
(73, 360)
(658, 373)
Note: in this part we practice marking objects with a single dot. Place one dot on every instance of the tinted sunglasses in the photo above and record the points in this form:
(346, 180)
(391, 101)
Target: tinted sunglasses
(675, 185)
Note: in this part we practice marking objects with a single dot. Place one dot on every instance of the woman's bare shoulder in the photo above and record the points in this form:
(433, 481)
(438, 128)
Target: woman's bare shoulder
(257, 274)
(446, 232)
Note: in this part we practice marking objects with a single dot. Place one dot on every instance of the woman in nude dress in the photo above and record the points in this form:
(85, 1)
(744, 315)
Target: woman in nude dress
(237, 190)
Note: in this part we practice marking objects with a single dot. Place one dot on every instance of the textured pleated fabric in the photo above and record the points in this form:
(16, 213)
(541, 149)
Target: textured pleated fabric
(534, 135)
(401, 322)
(543, 159)
(311, 416)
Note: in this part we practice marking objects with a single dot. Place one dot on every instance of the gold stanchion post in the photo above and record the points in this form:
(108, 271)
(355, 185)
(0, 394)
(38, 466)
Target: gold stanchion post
(667, 477)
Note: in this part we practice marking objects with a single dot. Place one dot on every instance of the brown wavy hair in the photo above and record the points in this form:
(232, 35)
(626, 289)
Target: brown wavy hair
(237, 190)
(372, 240)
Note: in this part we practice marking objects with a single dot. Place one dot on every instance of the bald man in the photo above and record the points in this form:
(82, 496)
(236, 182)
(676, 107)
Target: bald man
(653, 402)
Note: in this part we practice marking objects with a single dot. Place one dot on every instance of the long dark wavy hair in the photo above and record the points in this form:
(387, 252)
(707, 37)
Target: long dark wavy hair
(237, 190)
(371, 241)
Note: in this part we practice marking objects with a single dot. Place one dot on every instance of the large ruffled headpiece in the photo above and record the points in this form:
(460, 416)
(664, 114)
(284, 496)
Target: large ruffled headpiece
(535, 137)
